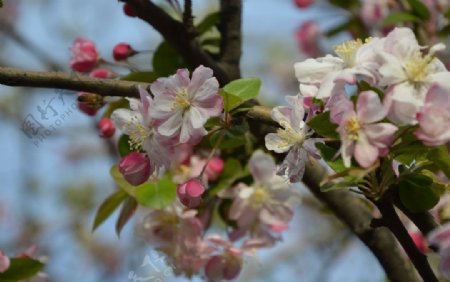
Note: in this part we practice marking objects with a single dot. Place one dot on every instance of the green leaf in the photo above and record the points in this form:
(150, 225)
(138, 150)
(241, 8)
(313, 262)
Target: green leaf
(440, 156)
(344, 184)
(127, 211)
(158, 194)
(234, 137)
(447, 13)
(108, 206)
(121, 182)
(445, 31)
(21, 269)
(141, 76)
(208, 22)
(328, 154)
(345, 4)
(416, 192)
(244, 88)
(124, 145)
(166, 61)
(232, 171)
(419, 9)
(1, 3)
(322, 125)
(338, 29)
(230, 101)
(399, 17)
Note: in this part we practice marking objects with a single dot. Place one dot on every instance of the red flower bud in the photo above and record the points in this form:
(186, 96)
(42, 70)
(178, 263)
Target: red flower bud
(106, 127)
(103, 73)
(223, 267)
(135, 168)
(89, 103)
(214, 168)
(129, 10)
(303, 3)
(122, 51)
(190, 193)
(84, 55)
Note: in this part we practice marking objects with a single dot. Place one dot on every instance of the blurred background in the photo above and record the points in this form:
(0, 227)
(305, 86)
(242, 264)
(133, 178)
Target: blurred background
(52, 183)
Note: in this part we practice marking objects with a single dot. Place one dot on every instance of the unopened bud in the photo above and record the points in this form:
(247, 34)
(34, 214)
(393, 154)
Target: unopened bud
(106, 127)
(84, 55)
(190, 193)
(223, 267)
(103, 73)
(135, 168)
(214, 168)
(303, 3)
(122, 51)
(129, 10)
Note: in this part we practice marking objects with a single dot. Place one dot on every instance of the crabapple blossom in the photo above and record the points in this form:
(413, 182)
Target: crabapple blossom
(373, 11)
(4, 262)
(324, 76)
(135, 168)
(269, 200)
(106, 127)
(84, 55)
(291, 138)
(407, 73)
(183, 105)
(434, 117)
(122, 51)
(359, 131)
(190, 193)
(138, 124)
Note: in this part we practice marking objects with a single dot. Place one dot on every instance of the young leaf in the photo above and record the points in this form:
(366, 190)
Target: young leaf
(440, 156)
(416, 193)
(108, 206)
(239, 91)
(141, 76)
(419, 9)
(21, 269)
(328, 154)
(166, 61)
(158, 194)
(124, 145)
(230, 101)
(127, 211)
(208, 22)
(399, 17)
(121, 182)
(322, 125)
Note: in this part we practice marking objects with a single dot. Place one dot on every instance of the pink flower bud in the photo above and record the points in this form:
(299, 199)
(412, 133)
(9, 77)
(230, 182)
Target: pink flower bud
(190, 193)
(223, 267)
(303, 3)
(106, 127)
(89, 103)
(135, 168)
(122, 51)
(419, 240)
(129, 10)
(84, 55)
(4, 262)
(214, 168)
(103, 73)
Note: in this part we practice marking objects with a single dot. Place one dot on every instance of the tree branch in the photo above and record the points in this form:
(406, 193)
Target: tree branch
(74, 81)
(230, 28)
(178, 37)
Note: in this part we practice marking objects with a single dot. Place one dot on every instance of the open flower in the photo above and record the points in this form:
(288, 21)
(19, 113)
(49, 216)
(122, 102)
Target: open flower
(291, 138)
(434, 117)
(408, 74)
(183, 105)
(269, 200)
(360, 135)
(139, 126)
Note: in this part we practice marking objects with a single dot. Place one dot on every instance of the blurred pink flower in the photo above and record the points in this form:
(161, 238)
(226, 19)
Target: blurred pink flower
(190, 193)
(84, 55)
(307, 36)
(4, 262)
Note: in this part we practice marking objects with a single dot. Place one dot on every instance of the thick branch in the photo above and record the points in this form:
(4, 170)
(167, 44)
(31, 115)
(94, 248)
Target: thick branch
(178, 37)
(230, 28)
(357, 216)
(391, 220)
(76, 82)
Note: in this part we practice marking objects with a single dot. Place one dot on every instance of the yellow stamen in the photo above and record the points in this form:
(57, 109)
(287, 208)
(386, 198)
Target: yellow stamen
(352, 128)
(417, 67)
(347, 50)
(137, 132)
(181, 101)
(259, 197)
(288, 135)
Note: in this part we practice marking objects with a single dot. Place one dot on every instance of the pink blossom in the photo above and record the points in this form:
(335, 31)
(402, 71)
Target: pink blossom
(302, 4)
(103, 73)
(372, 11)
(214, 168)
(434, 117)
(190, 193)
(440, 237)
(135, 168)
(360, 135)
(307, 36)
(4, 262)
(419, 241)
(137, 123)
(183, 105)
(269, 200)
(84, 55)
